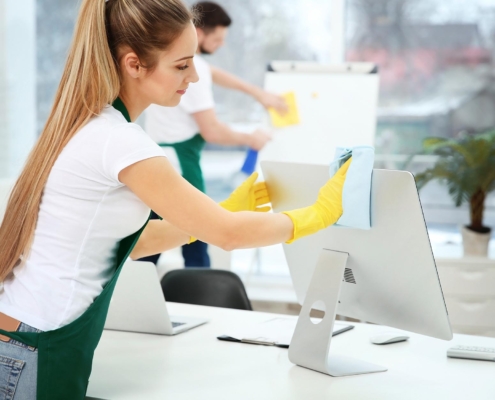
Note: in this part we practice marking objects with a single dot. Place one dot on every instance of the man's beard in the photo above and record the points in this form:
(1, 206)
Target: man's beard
(202, 50)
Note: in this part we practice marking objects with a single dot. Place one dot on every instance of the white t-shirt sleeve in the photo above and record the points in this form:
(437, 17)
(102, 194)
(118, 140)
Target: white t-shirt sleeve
(199, 95)
(127, 144)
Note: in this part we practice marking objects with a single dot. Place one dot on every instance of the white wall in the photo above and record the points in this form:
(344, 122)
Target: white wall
(17, 83)
(4, 128)
(337, 31)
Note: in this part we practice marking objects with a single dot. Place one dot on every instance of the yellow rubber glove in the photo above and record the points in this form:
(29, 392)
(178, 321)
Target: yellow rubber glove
(249, 196)
(325, 211)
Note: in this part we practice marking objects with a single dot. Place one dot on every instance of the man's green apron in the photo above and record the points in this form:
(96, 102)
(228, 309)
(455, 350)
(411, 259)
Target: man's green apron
(65, 355)
(189, 155)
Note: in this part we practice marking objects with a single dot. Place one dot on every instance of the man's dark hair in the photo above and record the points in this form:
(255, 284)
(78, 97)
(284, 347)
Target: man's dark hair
(210, 15)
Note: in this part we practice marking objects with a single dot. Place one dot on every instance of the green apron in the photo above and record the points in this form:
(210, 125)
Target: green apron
(65, 355)
(189, 155)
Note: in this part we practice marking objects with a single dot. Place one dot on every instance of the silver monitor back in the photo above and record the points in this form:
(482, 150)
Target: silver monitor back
(138, 304)
(390, 277)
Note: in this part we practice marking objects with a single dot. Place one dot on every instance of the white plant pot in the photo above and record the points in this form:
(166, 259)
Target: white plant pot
(475, 244)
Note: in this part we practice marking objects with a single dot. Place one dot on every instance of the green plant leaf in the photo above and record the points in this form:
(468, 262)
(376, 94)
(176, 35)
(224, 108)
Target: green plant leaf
(465, 165)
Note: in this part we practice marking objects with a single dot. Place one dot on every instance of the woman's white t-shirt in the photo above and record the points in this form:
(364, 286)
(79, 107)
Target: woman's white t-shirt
(84, 212)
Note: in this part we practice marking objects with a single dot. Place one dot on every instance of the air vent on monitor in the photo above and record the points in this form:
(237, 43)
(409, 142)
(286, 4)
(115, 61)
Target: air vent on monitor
(349, 276)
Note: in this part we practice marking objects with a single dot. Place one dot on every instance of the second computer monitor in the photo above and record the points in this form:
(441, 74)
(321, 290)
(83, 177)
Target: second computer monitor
(390, 277)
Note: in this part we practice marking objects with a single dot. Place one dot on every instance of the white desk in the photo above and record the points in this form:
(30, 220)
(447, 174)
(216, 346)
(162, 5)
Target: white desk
(195, 365)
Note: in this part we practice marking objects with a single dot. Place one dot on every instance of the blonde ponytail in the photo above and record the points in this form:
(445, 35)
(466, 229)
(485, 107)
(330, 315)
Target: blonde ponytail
(90, 81)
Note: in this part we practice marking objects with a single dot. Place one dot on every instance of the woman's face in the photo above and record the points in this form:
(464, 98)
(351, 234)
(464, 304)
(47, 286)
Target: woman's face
(175, 70)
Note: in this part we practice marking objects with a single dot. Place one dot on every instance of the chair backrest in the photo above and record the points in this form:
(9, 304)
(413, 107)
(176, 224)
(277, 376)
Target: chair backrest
(206, 287)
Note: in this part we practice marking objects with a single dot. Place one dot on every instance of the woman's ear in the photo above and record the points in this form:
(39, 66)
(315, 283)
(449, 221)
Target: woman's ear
(132, 66)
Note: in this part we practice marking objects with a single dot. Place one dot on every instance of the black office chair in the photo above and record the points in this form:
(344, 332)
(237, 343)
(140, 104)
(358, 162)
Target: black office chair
(205, 287)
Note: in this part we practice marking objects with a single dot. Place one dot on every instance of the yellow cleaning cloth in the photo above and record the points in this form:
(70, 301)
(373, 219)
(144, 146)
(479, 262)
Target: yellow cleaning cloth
(291, 117)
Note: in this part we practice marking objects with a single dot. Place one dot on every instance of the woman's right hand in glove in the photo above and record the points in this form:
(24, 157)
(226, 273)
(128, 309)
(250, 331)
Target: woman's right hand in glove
(325, 211)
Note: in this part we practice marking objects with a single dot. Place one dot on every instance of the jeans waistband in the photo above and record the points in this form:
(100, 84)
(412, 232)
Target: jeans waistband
(24, 328)
(27, 328)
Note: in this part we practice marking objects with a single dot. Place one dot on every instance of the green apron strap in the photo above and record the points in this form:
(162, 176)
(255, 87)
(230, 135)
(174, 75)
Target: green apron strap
(119, 105)
(189, 155)
(29, 338)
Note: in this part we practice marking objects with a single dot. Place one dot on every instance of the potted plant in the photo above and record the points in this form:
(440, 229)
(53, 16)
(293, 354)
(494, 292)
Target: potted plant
(467, 166)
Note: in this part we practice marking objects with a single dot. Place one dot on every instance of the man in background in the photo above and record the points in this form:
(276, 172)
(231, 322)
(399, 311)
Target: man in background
(183, 130)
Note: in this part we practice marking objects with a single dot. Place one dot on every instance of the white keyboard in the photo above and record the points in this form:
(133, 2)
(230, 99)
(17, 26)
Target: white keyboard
(472, 352)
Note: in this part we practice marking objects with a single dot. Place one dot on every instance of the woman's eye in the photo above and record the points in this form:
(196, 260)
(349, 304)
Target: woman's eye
(183, 67)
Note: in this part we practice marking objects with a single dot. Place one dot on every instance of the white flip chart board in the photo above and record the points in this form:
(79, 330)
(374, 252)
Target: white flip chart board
(336, 104)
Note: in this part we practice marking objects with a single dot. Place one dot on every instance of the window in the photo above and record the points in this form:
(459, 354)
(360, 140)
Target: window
(17, 84)
(436, 79)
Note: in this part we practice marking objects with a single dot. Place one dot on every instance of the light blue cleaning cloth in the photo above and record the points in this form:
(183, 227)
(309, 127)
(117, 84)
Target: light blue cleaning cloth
(356, 197)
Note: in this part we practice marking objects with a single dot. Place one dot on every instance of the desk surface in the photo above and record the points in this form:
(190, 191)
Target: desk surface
(195, 365)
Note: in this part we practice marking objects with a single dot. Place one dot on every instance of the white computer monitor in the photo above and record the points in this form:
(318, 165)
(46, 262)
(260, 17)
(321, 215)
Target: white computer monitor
(390, 274)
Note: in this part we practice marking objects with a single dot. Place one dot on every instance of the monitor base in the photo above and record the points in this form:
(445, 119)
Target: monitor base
(338, 365)
(310, 345)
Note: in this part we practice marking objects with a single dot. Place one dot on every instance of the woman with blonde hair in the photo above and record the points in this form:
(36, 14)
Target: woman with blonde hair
(81, 204)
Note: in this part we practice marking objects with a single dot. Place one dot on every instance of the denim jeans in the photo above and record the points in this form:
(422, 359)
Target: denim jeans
(196, 255)
(18, 368)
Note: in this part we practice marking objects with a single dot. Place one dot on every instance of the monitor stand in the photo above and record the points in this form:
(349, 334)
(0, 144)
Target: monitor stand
(310, 345)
